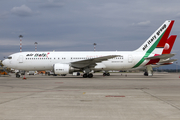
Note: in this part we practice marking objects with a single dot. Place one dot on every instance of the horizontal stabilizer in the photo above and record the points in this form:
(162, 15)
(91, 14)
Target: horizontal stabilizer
(168, 61)
(163, 56)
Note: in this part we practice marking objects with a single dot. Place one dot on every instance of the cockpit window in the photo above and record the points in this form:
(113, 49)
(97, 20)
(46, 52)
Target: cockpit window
(9, 57)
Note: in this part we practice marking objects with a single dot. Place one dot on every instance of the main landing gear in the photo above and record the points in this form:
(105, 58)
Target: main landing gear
(106, 74)
(85, 75)
(148, 71)
(17, 75)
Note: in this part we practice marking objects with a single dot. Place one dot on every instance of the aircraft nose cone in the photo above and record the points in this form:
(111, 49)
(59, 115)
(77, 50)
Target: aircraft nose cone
(4, 62)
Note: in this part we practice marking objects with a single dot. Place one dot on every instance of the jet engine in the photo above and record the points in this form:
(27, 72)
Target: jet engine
(61, 68)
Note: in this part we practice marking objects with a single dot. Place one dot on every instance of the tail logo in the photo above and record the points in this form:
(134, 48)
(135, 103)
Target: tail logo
(166, 47)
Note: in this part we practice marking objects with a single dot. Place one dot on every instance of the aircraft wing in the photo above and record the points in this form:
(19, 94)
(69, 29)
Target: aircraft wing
(163, 56)
(91, 62)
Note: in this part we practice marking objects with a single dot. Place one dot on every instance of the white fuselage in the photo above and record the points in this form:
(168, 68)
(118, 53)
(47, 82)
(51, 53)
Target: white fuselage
(45, 60)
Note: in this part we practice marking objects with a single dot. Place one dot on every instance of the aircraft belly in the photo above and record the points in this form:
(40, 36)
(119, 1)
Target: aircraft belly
(100, 66)
(111, 65)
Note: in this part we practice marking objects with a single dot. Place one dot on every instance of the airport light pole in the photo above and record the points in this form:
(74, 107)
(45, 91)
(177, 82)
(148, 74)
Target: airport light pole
(20, 36)
(35, 46)
(94, 46)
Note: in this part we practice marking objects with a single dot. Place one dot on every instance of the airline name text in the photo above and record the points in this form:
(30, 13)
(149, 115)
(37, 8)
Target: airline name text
(38, 54)
(158, 33)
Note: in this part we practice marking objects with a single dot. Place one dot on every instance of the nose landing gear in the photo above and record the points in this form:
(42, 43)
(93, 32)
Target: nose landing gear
(17, 75)
(106, 74)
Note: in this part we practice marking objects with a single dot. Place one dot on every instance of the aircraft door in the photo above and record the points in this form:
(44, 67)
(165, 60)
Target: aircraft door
(20, 59)
(130, 59)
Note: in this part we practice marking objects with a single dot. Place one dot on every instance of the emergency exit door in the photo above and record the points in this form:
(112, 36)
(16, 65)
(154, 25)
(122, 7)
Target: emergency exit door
(20, 59)
(130, 59)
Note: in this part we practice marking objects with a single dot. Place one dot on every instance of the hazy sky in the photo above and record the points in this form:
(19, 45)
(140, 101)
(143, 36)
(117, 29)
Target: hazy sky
(74, 25)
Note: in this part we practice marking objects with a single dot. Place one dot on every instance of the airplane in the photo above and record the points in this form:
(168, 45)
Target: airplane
(89, 62)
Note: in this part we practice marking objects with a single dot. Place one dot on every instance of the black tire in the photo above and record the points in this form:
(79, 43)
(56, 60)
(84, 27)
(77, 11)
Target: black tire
(17, 76)
(145, 73)
(90, 75)
(84, 75)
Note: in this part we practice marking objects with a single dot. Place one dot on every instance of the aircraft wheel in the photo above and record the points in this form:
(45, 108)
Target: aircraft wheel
(85, 75)
(108, 74)
(90, 75)
(17, 75)
(145, 73)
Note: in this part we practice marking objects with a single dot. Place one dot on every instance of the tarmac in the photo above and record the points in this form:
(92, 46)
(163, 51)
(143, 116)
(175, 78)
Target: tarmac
(121, 96)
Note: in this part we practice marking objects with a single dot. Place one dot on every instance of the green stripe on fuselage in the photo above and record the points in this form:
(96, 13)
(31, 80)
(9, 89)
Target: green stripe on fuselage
(149, 51)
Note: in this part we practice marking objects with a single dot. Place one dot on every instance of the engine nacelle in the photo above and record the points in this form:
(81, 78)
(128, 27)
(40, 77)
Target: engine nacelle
(61, 68)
